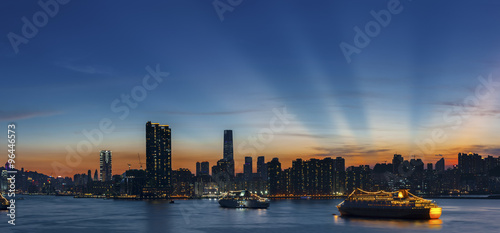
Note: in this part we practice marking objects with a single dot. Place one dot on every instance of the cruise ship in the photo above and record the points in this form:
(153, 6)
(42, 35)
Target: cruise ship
(400, 204)
(4, 203)
(243, 199)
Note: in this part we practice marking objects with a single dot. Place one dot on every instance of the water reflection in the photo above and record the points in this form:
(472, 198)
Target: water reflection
(435, 224)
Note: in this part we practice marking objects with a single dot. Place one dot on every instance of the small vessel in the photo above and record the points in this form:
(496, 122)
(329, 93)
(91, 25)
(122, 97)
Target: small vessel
(4, 203)
(171, 202)
(400, 204)
(243, 199)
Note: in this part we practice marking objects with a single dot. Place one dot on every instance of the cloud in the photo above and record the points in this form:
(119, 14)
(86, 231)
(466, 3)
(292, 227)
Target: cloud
(318, 136)
(347, 150)
(483, 150)
(14, 116)
(218, 113)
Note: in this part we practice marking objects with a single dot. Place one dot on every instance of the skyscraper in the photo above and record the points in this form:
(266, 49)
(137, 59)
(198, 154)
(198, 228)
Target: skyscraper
(262, 168)
(96, 175)
(440, 165)
(105, 166)
(247, 168)
(228, 145)
(198, 168)
(89, 176)
(228, 151)
(205, 168)
(274, 172)
(202, 169)
(397, 161)
(158, 157)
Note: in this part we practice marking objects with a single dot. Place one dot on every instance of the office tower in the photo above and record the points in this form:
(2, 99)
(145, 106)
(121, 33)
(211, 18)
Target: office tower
(247, 168)
(429, 166)
(158, 157)
(89, 176)
(198, 168)
(417, 164)
(440, 165)
(220, 175)
(274, 173)
(262, 168)
(105, 166)
(205, 168)
(202, 169)
(96, 175)
(228, 145)
(397, 161)
(228, 151)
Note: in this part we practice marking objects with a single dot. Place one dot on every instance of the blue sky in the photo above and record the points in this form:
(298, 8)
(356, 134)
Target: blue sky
(231, 74)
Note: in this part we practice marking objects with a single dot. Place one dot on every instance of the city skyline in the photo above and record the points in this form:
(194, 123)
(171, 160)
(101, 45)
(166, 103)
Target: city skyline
(435, 92)
(239, 167)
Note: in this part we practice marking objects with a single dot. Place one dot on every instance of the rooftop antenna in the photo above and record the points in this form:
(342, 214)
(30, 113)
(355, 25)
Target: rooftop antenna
(128, 166)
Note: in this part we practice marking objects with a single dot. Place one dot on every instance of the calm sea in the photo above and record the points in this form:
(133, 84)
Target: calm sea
(67, 214)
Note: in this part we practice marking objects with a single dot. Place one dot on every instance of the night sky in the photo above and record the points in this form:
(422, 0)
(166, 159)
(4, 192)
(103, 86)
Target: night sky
(426, 83)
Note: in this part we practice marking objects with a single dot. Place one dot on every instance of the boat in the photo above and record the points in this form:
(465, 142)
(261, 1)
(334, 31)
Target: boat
(171, 202)
(243, 199)
(4, 203)
(400, 204)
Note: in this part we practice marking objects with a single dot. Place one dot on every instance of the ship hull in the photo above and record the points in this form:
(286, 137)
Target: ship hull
(253, 204)
(400, 213)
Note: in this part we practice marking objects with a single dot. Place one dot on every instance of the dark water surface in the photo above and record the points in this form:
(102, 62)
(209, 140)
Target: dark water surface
(68, 214)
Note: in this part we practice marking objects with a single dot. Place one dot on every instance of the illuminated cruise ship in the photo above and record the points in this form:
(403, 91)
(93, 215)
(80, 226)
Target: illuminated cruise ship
(243, 199)
(4, 203)
(400, 204)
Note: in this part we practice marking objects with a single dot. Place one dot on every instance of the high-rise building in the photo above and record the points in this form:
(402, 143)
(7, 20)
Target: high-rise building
(340, 175)
(429, 166)
(198, 168)
(247, 168)
(158, 157)
(261, 168)
(105, 166)
(205, 168)
(397, 162)
(440, 165)
(202, 168)
(470, 163)
(89, 176)
(96, 175)
(228, 151)
(228, 145)
(274, 173)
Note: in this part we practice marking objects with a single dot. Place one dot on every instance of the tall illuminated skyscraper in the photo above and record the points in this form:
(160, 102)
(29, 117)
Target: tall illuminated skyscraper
(228, 151)
(228, 145)
(158, 157)
(105, 166)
